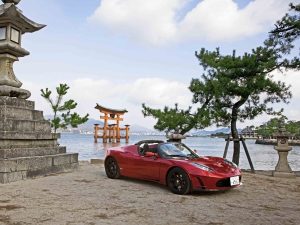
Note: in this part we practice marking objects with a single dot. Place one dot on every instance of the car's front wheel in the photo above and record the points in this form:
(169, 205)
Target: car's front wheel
(112, 168)
(178, 181)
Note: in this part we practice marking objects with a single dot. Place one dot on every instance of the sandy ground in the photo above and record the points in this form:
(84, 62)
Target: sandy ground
(88, 197)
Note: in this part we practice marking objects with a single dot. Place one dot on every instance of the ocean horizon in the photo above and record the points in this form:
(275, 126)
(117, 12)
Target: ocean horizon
(264, 157)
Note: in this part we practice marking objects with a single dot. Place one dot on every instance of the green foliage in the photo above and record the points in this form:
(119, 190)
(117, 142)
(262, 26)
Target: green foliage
(286, 32)
(62, 110)
(293, 127)
(267, 129)
(177, 120)
(240, 87)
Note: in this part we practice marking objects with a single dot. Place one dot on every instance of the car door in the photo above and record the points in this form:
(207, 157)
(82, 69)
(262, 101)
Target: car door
(129, 161)
(135, 165)
(148, 167)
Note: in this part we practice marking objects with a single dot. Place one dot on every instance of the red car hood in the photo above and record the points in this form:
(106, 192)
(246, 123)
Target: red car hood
(217, 164)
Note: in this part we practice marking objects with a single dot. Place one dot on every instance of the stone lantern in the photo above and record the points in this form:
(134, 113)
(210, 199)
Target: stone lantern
(27, 146)
(13, 24)
(175, 136)
(282, 168)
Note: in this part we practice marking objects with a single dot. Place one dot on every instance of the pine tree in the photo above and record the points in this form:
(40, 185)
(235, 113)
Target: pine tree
(62, 110)
(241, 87)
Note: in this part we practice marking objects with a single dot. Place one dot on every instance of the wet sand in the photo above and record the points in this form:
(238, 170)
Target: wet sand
(87, 196)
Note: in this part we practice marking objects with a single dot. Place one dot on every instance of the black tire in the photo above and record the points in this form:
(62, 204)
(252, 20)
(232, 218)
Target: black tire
(178, 181)
(112, 169)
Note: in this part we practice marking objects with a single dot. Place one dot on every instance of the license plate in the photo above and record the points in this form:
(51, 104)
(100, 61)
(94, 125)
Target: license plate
(234, 180)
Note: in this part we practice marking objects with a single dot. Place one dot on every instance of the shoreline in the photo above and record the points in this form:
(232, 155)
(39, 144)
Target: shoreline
(274, 142)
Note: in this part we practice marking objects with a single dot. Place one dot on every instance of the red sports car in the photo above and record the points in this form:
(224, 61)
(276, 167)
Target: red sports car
(172, 164)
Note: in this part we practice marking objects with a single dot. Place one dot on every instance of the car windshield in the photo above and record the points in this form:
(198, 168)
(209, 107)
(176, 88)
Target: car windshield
(169, 150)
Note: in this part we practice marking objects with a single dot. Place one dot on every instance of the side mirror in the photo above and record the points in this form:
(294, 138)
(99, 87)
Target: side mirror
(149, 154)
(195, 150)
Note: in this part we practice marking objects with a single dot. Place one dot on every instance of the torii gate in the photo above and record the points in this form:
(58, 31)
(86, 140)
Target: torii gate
(111, 131)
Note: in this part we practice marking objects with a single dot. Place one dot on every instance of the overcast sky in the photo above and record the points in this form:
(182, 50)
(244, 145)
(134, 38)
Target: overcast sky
(121, 53)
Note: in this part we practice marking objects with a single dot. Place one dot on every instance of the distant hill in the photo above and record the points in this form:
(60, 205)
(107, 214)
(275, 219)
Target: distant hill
(208, 133)
(135, 128)
(89, 125)
(140, 129)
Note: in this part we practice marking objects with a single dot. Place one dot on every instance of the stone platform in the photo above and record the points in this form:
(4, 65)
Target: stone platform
(27, 146)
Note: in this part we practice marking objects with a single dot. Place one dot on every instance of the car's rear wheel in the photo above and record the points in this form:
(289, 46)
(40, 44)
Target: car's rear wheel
(112, 168)
(178, 181)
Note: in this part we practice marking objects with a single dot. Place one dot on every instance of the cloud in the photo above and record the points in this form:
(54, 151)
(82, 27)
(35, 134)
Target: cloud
(291, 110)
(40, 103)
(159, 92)
(155, 92)
(291, 78)
(220, 20)
(152, 21)
(86, 88)
(157, 21)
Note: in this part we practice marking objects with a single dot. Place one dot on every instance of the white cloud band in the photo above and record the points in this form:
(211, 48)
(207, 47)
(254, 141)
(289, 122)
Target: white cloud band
(156, 21)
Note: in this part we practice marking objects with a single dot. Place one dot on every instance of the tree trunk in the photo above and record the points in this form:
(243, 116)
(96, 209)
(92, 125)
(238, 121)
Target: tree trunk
(235, 136)
(55, 128)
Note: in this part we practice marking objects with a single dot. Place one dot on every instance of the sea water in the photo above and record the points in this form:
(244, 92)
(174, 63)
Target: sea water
(264, 157)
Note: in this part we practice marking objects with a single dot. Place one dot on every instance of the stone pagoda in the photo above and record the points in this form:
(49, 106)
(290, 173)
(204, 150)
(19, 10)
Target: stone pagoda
(27, 146)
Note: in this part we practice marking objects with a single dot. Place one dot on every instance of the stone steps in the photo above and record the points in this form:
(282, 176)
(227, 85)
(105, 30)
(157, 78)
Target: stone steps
(10, 144)
(20, 168)
(27, 146)
(17, 135)
(42, 126)
(12, 112)
(27, 152)
(15, 102)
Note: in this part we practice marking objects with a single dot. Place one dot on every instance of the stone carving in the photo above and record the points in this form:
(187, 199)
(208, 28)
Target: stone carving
(7, 75)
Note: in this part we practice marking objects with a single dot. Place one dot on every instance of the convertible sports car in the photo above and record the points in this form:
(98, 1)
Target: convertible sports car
(172, 164)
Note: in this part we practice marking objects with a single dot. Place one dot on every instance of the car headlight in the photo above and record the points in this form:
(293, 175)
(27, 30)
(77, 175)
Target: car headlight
(202, 167)
(230, 163)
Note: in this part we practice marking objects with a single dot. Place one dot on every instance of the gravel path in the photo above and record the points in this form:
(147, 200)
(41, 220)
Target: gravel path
(87, 196)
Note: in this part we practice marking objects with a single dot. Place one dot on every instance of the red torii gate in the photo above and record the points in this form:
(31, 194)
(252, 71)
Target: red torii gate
(112, 132)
